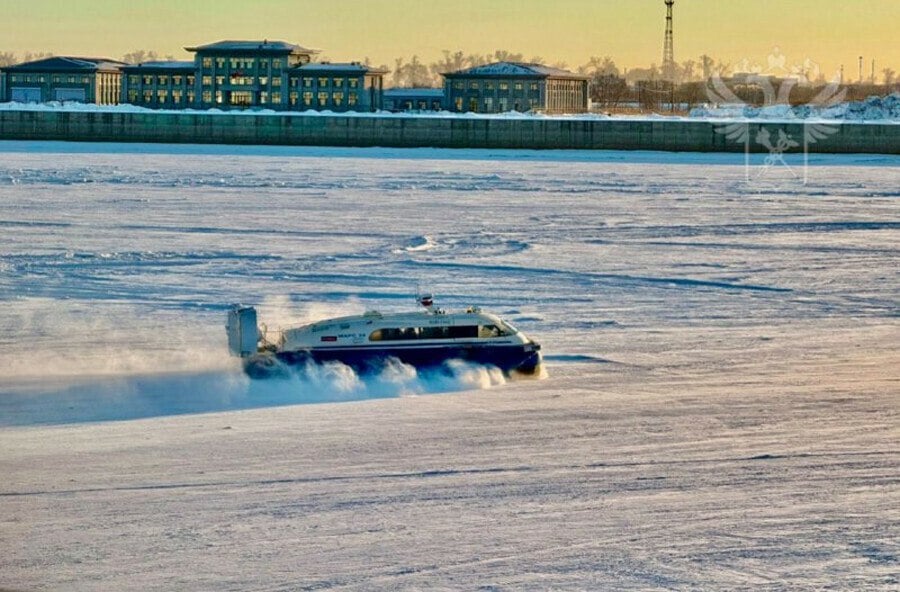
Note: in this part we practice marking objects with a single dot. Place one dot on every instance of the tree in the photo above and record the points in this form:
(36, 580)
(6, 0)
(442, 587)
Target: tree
(688, 70)
(139, 56)
(608, 90)
(411, 74)
(597, 66)
(706, 65)
(889, 76)
(7, 59)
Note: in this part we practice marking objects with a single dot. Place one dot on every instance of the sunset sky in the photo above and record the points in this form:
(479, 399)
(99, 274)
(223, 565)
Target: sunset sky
(829, 32)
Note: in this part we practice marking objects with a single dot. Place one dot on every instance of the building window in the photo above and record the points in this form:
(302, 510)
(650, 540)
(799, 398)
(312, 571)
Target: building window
(276, 98)
(69, 79)
(207, 97)
(207, 81)
(241, 98)
(190, 97)
(292, 98)
(458, 103)
(277, 63)
(264, 80)
(148, 96)
(353, 82)
(177, 95)
(489, 85)
(218, 97)
(307, 82)
(338, 98)
(162, 95)
(473, 85)
(133, 79)
(220, 63)
(534, 86)
(458, 85)
(323, 99)
(504, 86)
(207, 62)
(163, 80)
(488, 105)
(351, 99)
(323, 82)
(177, 79)
(220, 80)
(339, 82)
(307, 99)
(518, 86)
(56, 79)
(191, 80)
(263, 98)
(132, 96)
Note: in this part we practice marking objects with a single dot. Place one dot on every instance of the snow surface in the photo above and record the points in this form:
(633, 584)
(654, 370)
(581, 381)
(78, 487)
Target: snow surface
(874, 109)
(720, 410)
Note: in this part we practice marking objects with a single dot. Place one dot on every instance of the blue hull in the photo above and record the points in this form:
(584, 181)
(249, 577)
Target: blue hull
(524, 359)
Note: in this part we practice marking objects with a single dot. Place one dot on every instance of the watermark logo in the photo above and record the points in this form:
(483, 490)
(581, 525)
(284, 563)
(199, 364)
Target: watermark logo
(756, 94)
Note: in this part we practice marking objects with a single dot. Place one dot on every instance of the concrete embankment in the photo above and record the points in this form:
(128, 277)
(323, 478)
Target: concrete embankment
(448, 132)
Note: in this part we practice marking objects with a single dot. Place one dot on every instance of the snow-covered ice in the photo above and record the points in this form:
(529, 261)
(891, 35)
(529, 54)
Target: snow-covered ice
(720, 410)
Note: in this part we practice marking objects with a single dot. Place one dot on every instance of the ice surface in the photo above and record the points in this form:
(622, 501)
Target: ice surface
(721, 409)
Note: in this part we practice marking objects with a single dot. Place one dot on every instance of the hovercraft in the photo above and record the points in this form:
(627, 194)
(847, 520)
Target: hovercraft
(424, 339)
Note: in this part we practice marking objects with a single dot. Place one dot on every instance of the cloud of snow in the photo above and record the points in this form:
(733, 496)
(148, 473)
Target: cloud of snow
(68, 361)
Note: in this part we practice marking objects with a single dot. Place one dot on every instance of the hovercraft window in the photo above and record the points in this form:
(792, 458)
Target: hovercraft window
(418, 333)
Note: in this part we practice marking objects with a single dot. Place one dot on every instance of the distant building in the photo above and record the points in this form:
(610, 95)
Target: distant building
(335, 87)
(414, 99)
(160, 85)
(515, 86)
(64, 78)
(245, 74)
(254, 74)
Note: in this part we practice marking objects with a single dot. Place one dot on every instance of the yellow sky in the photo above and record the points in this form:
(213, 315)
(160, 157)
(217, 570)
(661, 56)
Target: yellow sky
(829, 32)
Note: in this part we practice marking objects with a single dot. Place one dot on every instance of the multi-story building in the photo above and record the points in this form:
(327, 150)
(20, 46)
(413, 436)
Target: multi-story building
(254, 74)
(335, 87)
(160, 85)
(245, 74)
(63, 78)
(515, 86)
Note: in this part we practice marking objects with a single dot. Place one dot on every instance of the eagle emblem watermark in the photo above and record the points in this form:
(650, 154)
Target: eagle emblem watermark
(771, 87)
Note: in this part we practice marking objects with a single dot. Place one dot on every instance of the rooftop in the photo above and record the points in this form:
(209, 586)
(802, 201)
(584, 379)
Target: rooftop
(164, 65)
(67, 64)
(339, 67)
(253, 46)
(523, 69)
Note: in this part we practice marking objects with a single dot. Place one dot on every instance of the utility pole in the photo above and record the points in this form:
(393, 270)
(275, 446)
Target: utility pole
(860, 69)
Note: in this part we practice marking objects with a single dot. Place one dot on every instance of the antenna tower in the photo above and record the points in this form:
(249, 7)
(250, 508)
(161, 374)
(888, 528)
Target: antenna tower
(668, 64)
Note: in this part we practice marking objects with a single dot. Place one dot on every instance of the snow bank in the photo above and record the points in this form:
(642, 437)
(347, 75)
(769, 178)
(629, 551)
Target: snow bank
(124, 108)
(872, 109)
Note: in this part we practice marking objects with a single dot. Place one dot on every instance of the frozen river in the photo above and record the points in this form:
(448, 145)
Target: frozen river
(722, 348)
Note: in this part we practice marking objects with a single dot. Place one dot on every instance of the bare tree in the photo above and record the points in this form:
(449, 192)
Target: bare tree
(139, 56)
(890, 76)
(706, 65)
(412, 74)
(688, 70)
(597, 66)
